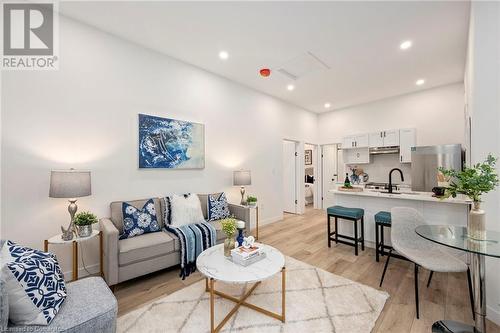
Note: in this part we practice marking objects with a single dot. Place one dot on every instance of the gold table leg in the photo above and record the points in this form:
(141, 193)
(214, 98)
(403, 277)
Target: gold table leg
(46, 246)
(75, 260)
(257, 222)
(101, 254)
(242, 302)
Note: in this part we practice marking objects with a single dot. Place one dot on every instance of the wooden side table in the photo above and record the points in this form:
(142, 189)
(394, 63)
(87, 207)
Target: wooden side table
(58, 240)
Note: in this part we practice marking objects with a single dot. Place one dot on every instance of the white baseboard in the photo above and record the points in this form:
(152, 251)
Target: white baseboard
(493, 315)
(93, 269)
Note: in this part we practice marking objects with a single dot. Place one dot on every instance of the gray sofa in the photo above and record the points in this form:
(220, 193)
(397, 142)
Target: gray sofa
(89, 307)
(129, 258)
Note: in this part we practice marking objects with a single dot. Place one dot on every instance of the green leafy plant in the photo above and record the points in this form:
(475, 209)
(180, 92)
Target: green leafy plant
(473, 182)
(251, 199)
(85, 218)
(229, 226)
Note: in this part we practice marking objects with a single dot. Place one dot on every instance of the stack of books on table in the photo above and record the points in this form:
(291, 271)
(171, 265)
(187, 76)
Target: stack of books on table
(247, 256)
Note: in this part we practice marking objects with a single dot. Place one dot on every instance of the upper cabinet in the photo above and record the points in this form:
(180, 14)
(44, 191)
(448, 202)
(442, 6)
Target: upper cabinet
(355, 141)
(391, 138)
(407, 140)
(388, 138)
(404, 138)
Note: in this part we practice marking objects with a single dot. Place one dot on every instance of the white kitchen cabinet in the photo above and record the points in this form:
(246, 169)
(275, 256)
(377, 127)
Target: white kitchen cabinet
(391, 138)
(376, 139)
(355, 141)
(361, 141)
(356, 155)
(348, 142)
(407, 140)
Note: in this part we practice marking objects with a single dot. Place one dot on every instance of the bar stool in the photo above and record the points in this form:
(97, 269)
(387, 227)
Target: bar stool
(382, 219)
(351, 214)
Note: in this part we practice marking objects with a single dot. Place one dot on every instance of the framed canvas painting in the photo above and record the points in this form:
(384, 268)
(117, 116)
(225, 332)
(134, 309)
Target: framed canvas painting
(308, 154)
(170, 143)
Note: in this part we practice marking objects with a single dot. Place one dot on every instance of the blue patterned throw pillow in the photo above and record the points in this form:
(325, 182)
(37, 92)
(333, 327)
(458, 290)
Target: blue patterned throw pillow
(139, 221)
(35, 285)
(217, 207)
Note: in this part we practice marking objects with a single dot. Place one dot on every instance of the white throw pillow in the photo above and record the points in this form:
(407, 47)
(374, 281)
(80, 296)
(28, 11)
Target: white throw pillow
(185, 210)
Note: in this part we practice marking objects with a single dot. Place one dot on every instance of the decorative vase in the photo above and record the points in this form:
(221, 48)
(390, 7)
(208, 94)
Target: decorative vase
(85, 230)
(252, 203)
(477, 222)
(229, 245)
(240, 237)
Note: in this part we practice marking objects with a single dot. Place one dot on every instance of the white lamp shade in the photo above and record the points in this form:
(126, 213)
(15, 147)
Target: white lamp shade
(242, 178)
(69, 184)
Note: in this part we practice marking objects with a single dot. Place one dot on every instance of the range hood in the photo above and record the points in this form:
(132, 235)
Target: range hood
(384, 150)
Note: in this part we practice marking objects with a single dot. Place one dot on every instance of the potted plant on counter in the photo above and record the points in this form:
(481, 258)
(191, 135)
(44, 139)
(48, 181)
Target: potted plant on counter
(229, 227)
(473, 182)
(84, 221)
(252, 201)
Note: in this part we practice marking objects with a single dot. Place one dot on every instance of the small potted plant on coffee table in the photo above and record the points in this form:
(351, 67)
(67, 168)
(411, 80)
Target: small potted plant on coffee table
(229, 227)
(252, 201)
(84, 221)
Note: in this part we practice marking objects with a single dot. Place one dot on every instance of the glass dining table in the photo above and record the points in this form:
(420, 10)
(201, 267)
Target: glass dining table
(456, 237)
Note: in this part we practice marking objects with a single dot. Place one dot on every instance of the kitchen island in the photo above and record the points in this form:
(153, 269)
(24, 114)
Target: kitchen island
(452, 211)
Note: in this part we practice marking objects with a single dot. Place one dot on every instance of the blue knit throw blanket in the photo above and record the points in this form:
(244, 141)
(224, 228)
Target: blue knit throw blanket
(194, 239)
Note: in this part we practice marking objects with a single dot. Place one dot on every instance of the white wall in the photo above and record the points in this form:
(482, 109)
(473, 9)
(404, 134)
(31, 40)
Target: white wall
(85, 116)
(437, 114)
(482, 77)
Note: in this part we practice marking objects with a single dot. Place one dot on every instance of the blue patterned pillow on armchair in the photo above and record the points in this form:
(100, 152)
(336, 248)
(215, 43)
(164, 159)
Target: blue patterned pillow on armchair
(139, 221)
(217, 207)
(34, 284)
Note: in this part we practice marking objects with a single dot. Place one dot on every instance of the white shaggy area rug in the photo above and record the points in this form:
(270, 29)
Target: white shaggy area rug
(316, 301)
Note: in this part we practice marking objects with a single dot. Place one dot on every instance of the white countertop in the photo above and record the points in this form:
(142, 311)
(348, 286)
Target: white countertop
(418, 196)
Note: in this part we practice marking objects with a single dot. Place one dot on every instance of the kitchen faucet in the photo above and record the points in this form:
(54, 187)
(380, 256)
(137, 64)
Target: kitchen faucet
(390, 178)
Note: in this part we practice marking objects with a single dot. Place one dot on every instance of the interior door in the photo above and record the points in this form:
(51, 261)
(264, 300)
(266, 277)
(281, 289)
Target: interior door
(289, 177)
(330, 176)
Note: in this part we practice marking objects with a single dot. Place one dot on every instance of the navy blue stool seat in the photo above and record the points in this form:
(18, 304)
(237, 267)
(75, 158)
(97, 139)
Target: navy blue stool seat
(351, 214)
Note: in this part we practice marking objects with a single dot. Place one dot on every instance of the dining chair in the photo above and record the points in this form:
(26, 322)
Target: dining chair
(422, 252)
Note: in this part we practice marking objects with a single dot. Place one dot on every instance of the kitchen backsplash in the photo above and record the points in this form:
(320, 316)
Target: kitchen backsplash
(378, 169)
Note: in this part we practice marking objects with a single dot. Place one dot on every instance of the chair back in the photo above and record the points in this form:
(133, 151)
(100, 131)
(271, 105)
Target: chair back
(404, 221)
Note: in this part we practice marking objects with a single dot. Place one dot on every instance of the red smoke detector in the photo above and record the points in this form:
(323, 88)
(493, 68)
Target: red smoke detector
(265, 72)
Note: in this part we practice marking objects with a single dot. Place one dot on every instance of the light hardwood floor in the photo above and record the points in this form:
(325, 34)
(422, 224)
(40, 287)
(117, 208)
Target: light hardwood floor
(304, 238)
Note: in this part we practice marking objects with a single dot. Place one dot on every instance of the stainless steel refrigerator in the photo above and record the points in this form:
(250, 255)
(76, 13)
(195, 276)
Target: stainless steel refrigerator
(426, 160)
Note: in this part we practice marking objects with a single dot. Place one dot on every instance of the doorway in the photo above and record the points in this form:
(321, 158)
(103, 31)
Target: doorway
(311, 174)
(332, 172)
(290, 154)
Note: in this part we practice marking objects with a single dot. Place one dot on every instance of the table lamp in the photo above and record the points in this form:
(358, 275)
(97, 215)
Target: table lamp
(69, 184)
(242, 178)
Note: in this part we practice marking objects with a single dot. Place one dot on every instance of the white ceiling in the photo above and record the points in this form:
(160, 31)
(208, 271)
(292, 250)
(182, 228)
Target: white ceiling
(358, 41)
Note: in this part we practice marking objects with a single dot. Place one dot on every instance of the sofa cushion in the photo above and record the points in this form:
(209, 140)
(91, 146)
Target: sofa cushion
(145, 247)
(139, 221)
(89, 307)
(117, 213)
(218, 227)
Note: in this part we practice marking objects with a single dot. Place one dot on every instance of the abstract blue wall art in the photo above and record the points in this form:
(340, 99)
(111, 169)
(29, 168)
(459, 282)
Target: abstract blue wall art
(171, 144)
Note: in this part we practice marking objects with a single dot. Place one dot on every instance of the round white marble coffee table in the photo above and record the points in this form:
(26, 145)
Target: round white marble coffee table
(216, 267)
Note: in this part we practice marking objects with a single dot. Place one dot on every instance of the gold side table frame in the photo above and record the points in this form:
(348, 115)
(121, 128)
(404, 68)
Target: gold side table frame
(74, 243)
(210, 287)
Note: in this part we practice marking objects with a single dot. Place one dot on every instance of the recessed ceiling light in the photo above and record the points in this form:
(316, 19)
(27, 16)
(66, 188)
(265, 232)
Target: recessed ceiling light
(290, 87)
(223, 55)
(327, 105)
(420, 82)
(405, 45)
